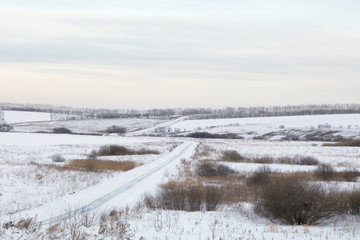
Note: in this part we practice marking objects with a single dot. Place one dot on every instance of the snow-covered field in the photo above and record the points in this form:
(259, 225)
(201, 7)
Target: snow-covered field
(31, 186)
(86, 126)
(345, 125)
(20, 116)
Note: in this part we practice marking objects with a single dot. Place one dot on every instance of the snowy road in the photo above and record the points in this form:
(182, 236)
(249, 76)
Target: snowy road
(124, 189)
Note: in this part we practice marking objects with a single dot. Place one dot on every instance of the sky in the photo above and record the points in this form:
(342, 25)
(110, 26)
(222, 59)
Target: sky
(179, 53)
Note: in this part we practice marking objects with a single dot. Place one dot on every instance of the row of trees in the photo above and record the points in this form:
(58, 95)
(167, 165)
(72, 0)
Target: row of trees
(194, 113)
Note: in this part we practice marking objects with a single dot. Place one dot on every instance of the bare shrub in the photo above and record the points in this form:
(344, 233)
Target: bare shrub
(185, 197)
(324, 172)
(74, 222)
(231, 155)
(306, 160)
(62, 130)
(116, 150)
(260, 177)
(57, 158)
(115, 224)
(294, 202)
(5, 127)
(353, 202)
(115, 129)
(93, 154)
(205, 170)
(211, 170)
(145, 151)
(98, 165)
(113, 150)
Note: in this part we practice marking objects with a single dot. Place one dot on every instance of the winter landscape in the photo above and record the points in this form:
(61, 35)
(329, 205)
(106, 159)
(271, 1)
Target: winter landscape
(157, 182)
(179, 120)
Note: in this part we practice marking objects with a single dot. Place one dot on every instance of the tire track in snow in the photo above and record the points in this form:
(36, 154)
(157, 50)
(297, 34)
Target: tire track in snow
(172, 156)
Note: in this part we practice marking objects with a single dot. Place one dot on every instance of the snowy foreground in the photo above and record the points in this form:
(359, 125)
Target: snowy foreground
(33, 186)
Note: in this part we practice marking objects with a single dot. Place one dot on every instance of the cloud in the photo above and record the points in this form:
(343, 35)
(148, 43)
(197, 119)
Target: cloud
(242, 54)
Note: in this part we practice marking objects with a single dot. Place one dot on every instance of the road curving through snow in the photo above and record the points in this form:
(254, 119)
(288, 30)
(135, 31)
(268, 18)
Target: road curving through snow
(120, 190)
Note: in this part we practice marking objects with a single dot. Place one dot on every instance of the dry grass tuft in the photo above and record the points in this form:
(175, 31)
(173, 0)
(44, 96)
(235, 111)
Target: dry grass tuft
(232, 156)
(93, 165)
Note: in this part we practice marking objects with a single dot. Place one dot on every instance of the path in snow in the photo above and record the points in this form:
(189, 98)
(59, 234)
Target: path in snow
(152, 129)
(128, 186)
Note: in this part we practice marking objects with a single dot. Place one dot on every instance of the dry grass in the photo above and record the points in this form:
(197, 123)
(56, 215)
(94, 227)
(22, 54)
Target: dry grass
(233, 156)
(101, 165)
(347, 143)
(90, 165)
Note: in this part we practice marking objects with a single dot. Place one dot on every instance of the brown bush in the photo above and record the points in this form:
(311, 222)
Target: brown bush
(294, 202)
(231, 155)
(116, 150)
(353, 202)
(98, 165)
(212, 170)
(306, 160)
(185, 197)
(324, 172)
(260, 177)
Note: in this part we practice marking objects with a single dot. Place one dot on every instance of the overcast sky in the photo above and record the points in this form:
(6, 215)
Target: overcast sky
(179, 53)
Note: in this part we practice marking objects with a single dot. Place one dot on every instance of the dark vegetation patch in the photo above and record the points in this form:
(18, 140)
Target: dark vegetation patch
(62, 130)
(57, 158)
(115, 129)
(185, 197)
(6, 128)
(117, 150)
(213, 135)
(211, 170)
(234, 156)
(296, 202)
(260, 177)
(348, 143)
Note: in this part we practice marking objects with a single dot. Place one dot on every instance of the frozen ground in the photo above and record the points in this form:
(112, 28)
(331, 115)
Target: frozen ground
(30, 186)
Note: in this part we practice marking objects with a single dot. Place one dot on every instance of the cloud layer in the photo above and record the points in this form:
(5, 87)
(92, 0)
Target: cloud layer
(179, 53)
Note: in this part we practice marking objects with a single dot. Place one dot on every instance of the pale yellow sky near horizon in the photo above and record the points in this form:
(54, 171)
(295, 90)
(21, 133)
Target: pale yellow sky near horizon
(179, 54)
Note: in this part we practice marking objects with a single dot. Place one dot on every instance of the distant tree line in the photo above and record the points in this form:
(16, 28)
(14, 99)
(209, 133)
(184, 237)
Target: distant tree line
(194, 113)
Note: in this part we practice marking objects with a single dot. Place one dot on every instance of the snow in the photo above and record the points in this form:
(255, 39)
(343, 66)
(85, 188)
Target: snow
(274, 122)
(87, 126)
(21, 116)
(29, 188)
(126, 188)
(345, 125)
